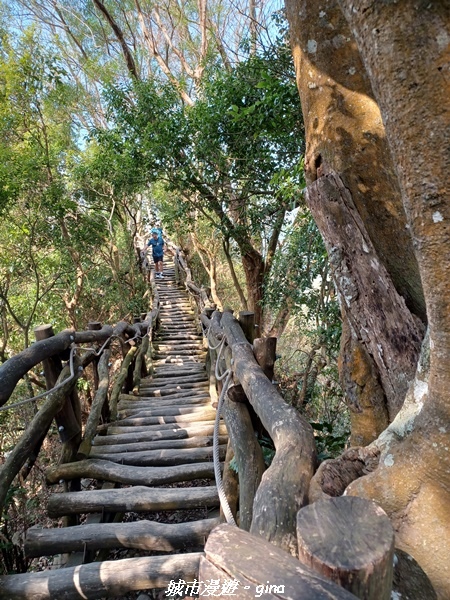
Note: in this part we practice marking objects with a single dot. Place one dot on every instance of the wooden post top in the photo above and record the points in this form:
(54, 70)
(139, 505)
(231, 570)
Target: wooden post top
(351, 541)
(44, 331)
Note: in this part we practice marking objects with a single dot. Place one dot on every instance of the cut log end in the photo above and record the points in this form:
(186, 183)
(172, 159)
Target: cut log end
(351, 541)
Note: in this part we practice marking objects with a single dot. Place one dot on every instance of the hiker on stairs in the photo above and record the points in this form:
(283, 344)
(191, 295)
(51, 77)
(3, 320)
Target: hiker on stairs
(157, 244)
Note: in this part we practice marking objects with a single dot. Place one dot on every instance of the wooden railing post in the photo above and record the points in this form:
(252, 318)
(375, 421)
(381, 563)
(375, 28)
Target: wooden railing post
(349, 540)
(95, 326)
(264, 350)
(176, 269)
(96, 408)
(247, 323)
(66, 420)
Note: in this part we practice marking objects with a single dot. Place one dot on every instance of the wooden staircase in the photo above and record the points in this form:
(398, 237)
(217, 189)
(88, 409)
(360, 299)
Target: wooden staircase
(154, 461)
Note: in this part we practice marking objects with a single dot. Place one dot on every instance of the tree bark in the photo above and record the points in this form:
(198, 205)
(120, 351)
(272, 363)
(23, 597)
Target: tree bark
(345, 136)
(415, 106)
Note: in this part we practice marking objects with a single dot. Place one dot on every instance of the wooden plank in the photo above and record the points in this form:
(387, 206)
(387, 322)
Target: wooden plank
(351, 541)
(255, 562)
(160, 458)
(142, 535)
(129, 475)
(100, 580)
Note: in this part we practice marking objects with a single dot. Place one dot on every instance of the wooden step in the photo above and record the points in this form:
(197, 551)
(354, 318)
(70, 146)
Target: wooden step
(161, 399)
(163, 434)
(164, 381)
(178, 392)
(142, 535)
(206, 415)
(166, 412)
(202, 399)
(119, 429)
(100, 580)
(174, 387)
(134, 499)
(160, 458)
(180, 361)
(175, 370)
(192, 442)
(151, 410)
(129, 475)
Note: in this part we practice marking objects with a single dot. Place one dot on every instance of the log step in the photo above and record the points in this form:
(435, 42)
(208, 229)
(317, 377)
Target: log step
(163, 437)
(165, 401)
(142, 535)
(161, 458)
(129, 475)
(164, 434)
(114, 429)
(192, 442)
(111, 579)
(168, 419)
(165, 412)
(134, 499)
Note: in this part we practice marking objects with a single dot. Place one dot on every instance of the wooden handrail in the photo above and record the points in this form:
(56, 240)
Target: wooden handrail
(284, 486)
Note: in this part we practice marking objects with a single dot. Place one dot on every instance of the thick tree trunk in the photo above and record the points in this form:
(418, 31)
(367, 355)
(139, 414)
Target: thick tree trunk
(253, 264)
(405, 49)
(374, 309)
(345, 136)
